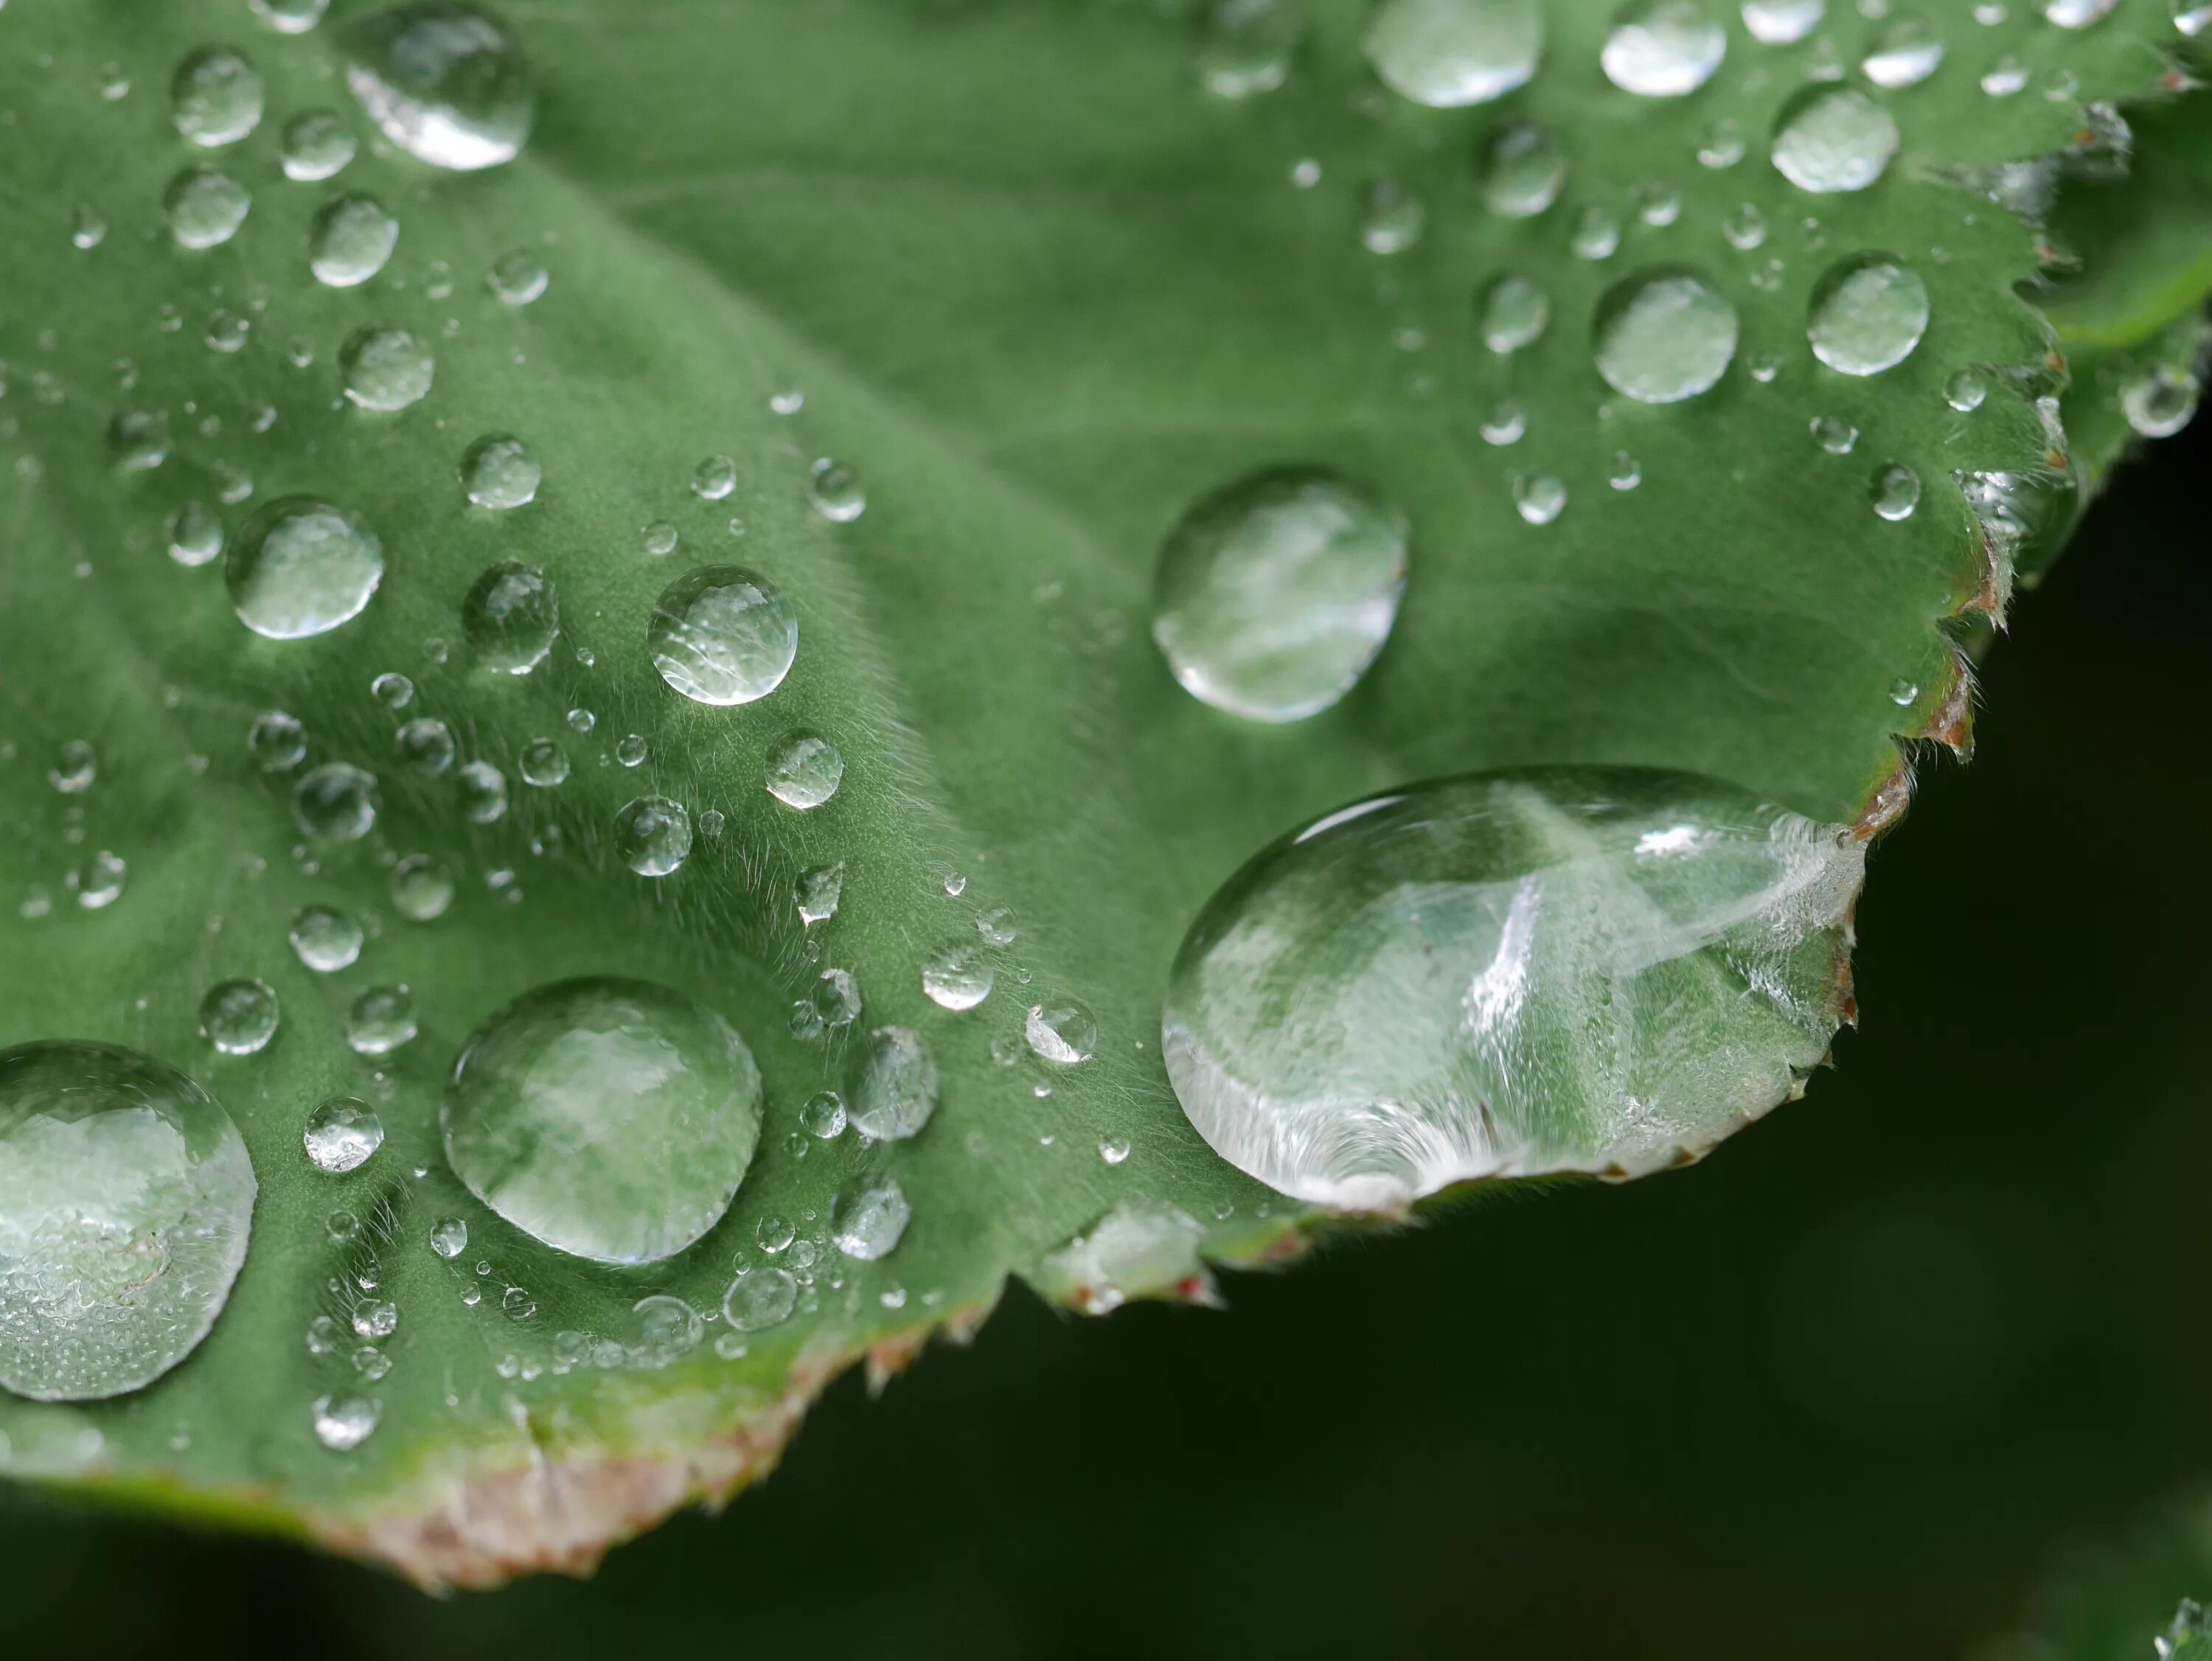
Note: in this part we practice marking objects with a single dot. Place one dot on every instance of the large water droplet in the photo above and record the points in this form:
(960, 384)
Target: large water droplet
(1664, 335)
(867, 1217)
(386, 368)
(1445, 53)
(347, 243)
(125, 1201)
(1591, 970)
(339, 1137)
(1831, 138)
(611, 1118)
(317, 144)
(1867, 314)
(510, 617)
(1247, 46)
(1906, 51)
(337, 802)
(897, 1089)
(238, 1017)
(722, 635)
(805, 770)
(1274, 593)
(302, 567)
(445, 82)
(1663, 48)
(215, 97)
(652, 834)
(1783, 22)
(1523, 170)
(204, 207)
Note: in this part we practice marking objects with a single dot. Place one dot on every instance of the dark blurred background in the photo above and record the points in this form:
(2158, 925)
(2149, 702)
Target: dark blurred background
(1851, 1388)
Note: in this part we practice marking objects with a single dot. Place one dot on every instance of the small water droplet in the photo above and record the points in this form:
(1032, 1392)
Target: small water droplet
(195, 533)
(1723, 144)
(544, 763)
(204, 207)
(386, 368)
(340, 1135)
(958, 974)
(449, 1236)
(1538, 498)
(714, 478)
(1906, 51)
(444, 81)
(1744, 228)
(215, 97)
(510, 618)
(1391, 217)
(835, 491)
(1114, 1150)
(652, 834)
(1513, 312)
(138, 440)
(337, 802)
(379, 1021)
(805, 770)
(1834, 435)
(344, 1424)
(1449, 53)
(1246, 46)
(101, 883)
(868, 1216)
(1902, 692)
(302, 568)
(1868, 314)
(1663, 48)
(2160, 402)
(277, 742)
(348, 241)
(1624, 473)
(87, 228)
(722, 635)
(423, 888)
(1894, 490)
(316, 144)
(324, 939)
(238, 1017)
(2077, 14)
(1062, 1030)
(758, 1300)
(1783, 22)
(1523, 170)
(392, 689)
(1965, 390)
(76, 764)
(824, 1115)
(997, 925)
(517, 277)
(290, 17)
(2005, 77)
(817, 891)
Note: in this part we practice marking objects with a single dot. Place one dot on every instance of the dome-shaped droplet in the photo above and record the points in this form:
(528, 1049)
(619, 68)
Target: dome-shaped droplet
(126, 1199)
(1783, 22)
(1391, 217)
(958, 974)
(1538, 498)
(835, 491)
(317, 144)
(760, 1298)
(1596, 232)
(868, 1216)
(713, 478)
(349, 240)
(1445, 53)
(2161, 402)
(445, 84)
(1245, 46)
(1523, 170)
(897, 1092)
(1831, 138)
(484, 792)
(1274, 593)
(510, 618)
(238, 1017)
(379, 1020)
(340, 1136)
(1906, 51)
(324, 940)
(204, 207)
(611, 1118)
(517, 277)
(1834, 434)
(1664, 335)
(1663, 48)
(544, 763)
(386, 368)
(652, 834)
(195, 533)
(290, 17)
(1894, 490)
(343, 1423)
(1868, 314)
(722, 635)
(1061, 1030)
(277, 741)
(423, 888)
(138, 440)
(302, 567)
(337, 802)
(1512, 312)
(2077, 14)
(425, 746)
(1594, 970)
(1965, 390)
(215, 97)
(816, 891)
(805, 770)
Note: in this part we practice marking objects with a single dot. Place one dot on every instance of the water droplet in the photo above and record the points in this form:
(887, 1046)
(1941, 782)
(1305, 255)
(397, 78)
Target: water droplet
(836, 492)
(238, 1017)
(290, 17)
(226, 332)
(1868, 314)
(1523, 170)
(337, 802)
(1391, 217)
(1906, 51)
(544, 763)
(1596, 233)
(1663, 48)
(375, 1317)
(824, 1115)
(816, 891)
(87, 228)
(1657, 203)
(1063, 1031)
(2160, 402)
(669, 1329)
(1557, 970)
(2191, 18)
(444, 81)
(1140, 1246)
(1783, 22)
(323, 1334)
(325, 940)
(517, 277)
(958, 974)
(386, 368)
(317, 144)
(425, 746)
(652, 834)
(126, 1200)
(1832, 138)
(2077, 14)
(449, 1236)
(1902, 692)
(1664, 335)
(1834, 435)
(1538, 497)
(1723, 145)
(392, 689)
(340, 1136)
(510, 618)
(582, 721)
(1894, 490)
(138, 440)
(1247, 46)
(1965, 390)
(1447, 54)
(277, 742)
(421, 888)
(721, 635)
(2005, 77)
(805, 770)
(215, 97)
(1625, 473)
(1114, 1150)
(997, 925)
(195, 533)
(867, 1217)
(342, 1424)
(1274, 593)
(379, 1021)
(760, 1298)
(1514, 313)
(302, 567)
(204, 207)
(348, 241)
(714, 478)
(99, 884)
(76, 764)
(1745, 228)
(612, 1119)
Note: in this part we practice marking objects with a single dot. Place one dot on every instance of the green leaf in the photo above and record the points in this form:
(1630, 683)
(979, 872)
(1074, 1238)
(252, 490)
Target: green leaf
(1042, 292)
